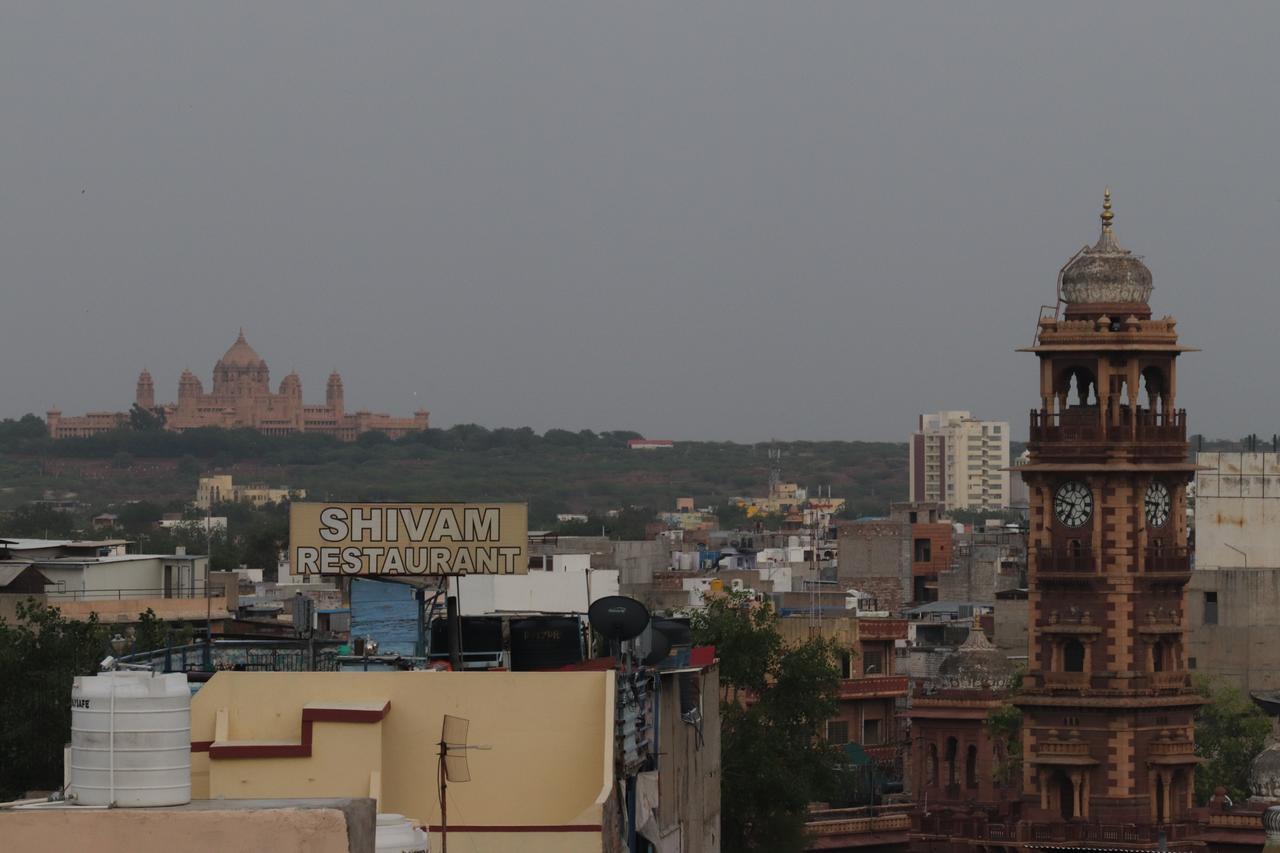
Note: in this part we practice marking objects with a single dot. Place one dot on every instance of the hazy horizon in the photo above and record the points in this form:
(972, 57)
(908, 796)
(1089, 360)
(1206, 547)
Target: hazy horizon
(714, 221)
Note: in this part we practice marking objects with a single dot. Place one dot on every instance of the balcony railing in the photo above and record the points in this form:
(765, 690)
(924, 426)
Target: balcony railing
(56, 592)
(872, 686)
(1106, 832)
(860, 821)
(1074, 680)
(1083, 424)
(1167, 561)
(882, 753)
(1170, 680)
(1065, 560)
(1075, 831)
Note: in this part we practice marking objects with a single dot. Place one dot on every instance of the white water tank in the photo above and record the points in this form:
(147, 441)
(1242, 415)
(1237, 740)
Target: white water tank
(397, 834)
(130, 740)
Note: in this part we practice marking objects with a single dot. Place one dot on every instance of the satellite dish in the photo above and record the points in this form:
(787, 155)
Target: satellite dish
(659, 646)
(618, 617)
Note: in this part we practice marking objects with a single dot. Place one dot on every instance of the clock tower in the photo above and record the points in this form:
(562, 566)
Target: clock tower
(1108, 737)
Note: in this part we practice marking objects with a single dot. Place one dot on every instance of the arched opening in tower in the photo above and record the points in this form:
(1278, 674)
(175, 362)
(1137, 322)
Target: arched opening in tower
(1076, 393)
(1066, 795)
(1073, 656)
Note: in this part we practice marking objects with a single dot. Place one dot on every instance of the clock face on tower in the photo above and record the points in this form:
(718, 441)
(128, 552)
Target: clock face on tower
(1157, 504)
(1073, 504)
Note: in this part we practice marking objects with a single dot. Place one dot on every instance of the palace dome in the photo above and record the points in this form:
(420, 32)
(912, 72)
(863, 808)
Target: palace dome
(241, 355)
(976, 665)
(1105, 274)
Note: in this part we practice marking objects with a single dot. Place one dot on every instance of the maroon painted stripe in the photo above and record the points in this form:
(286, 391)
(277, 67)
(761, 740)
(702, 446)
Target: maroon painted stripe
(568, 827)
(302, 749)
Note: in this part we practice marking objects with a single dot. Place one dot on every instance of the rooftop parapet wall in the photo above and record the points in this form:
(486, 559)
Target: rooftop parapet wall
(1132, 332)
(553, 727)
(228, 826)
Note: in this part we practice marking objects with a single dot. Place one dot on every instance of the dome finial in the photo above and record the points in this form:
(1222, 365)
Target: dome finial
(1107, 215)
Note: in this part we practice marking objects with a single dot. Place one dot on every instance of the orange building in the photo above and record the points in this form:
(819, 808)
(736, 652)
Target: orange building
(242, 397)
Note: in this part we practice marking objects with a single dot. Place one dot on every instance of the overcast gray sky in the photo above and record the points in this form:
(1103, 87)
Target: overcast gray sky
(733, 220)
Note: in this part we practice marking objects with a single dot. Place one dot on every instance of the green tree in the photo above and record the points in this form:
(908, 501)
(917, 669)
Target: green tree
(733, 516)
(27, 428)
(1005, 727)
(151, 633)
(40, 654)
(145, 420)
(139, 516)
(1230, 731)
(776, 700)
(38, 521)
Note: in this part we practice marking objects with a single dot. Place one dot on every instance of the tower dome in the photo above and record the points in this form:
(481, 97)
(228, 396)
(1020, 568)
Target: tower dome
(241, 354)
(1105, 278)
(976, 665)
(189, 385)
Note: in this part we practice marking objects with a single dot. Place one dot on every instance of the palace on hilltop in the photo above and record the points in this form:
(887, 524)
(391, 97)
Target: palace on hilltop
(242, 398)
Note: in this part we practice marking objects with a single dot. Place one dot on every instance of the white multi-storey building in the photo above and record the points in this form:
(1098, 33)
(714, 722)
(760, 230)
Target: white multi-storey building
(960, 462)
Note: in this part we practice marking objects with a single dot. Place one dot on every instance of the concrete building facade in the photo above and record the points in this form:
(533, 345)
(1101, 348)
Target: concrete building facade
(959, 461)
(1233, 604)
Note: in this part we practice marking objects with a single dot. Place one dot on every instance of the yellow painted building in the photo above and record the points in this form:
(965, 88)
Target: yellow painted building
(545, 784)
(213, 489)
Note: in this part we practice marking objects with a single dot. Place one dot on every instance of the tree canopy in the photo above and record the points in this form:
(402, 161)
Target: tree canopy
(1230, 731)
(560, 471)
(775, 702)
(40, 654)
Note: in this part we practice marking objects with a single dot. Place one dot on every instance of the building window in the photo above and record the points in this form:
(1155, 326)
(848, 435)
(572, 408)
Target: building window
(871, 732)
(913, 517)
(1211, 608)
(846, 665)
(1073, 656)
(931, 770)
(873, 662)
(923, 551)
(952, 746)
(837, 732)
(971, 767)
(1191, 663)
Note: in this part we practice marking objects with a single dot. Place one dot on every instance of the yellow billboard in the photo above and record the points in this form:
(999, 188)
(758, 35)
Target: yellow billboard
(408, 539)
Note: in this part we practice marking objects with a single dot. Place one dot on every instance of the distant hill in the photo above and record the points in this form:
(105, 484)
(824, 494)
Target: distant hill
(557, 471)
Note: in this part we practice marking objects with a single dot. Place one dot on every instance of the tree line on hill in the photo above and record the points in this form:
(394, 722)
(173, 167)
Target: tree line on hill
(558, 471)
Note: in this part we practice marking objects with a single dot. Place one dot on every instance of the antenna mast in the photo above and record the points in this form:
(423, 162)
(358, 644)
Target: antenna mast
(453, 766)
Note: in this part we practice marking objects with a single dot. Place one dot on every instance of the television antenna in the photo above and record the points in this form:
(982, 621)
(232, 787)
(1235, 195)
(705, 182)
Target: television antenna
(453, 766)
